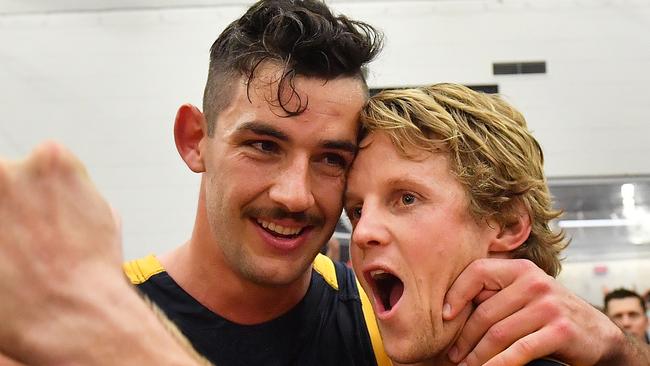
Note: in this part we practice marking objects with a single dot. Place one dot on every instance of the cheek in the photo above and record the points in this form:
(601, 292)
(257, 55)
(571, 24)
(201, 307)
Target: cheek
(328, 195)
(439, 249)
(355, 255)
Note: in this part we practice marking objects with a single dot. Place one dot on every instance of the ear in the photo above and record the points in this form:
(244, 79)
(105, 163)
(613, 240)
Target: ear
(510, 236)
(190, 128)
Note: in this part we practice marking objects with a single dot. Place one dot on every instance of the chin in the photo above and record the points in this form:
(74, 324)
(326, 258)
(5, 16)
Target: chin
(411, 350)
(413, 357)
(422, 344)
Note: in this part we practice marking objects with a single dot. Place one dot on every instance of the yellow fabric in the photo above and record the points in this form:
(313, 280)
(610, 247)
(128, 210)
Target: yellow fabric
(325, 267)
(140, 270)
(373, 330)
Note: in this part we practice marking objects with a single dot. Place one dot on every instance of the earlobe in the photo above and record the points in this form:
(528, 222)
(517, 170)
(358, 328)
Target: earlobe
(189, 131)
(510, 236)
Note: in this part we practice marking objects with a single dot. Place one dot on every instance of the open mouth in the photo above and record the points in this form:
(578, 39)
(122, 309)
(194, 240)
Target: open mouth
(388, 289)
(280, 231)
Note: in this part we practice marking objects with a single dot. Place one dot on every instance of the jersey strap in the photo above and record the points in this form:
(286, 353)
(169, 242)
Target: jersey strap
(373, 330)
(325, 267)
(140, 270)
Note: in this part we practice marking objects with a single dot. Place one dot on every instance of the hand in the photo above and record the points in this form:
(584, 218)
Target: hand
(65, 300)
(5, 361)
(523, 314)
(55, 229)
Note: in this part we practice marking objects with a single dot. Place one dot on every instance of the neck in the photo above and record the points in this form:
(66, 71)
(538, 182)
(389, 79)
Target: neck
(200, 268)
(211, 283)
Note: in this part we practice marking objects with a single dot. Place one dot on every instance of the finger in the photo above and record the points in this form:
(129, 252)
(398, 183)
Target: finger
(485, 316)
(484, 295)
(505, 332)
(8, 169)
(117, 219)
(4, 177)
(524, 300)
(51, 157)
(6, 361)
(536, 345)
(483, 274)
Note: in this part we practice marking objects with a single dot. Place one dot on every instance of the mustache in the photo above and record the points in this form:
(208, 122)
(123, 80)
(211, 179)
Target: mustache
(278, 213)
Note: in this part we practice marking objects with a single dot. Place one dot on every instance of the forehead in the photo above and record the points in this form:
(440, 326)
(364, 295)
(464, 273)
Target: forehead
(271, 85)
(380, 143)
(624, 304)
(332, 104)
(380, 162)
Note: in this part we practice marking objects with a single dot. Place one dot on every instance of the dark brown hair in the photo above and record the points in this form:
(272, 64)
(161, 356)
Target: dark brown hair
(302, 37)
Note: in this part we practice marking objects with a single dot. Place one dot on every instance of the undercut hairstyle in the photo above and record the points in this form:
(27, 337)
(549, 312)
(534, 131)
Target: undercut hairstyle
(623, 293)
(302, 37)
(492, 154)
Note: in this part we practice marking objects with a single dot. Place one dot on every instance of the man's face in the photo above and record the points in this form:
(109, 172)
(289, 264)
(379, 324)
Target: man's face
(628, 314)
(273, 184)
(413, 235)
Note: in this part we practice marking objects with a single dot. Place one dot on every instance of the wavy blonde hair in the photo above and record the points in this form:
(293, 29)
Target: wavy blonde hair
(493, 155)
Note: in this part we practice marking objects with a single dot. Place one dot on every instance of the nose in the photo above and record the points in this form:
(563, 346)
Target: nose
(626, 321)
(292, 186)
(371, 229)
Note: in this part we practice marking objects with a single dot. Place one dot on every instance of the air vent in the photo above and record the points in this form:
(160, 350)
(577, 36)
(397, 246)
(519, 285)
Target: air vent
(485, 88)
(513, 68)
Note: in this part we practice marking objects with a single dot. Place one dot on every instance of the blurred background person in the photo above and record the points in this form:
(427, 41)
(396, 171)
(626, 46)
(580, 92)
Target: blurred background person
(628, 310)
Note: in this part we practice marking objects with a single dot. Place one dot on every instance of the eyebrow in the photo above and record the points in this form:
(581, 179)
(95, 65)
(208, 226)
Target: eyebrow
(340, 145)
(405, 180)
(261, 128)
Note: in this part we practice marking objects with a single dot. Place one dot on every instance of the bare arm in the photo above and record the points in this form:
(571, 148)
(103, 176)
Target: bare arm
(65, 299)
(522, 314)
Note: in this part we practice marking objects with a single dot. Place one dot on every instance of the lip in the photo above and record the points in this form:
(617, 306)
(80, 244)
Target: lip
(380, 311)
(283, 245)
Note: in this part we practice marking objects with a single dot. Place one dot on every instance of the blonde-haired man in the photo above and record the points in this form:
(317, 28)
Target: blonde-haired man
(445, 176)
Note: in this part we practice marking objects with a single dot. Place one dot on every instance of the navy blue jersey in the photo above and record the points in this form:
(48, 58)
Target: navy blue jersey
(328, 327)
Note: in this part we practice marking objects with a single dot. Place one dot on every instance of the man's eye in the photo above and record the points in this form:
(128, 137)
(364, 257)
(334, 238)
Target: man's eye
(335, 160)
(408, 199)
(353, 213)
(265, 146)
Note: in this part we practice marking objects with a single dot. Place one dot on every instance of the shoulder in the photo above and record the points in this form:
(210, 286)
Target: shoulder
(342, 279)
(140, 270)
(326, 268)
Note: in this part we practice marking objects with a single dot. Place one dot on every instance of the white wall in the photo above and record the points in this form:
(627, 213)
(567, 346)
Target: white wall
(592, 280)
(107, 84)
(590, 111)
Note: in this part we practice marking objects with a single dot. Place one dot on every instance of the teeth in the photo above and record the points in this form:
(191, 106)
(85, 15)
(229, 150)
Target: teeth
(377, 272)
(278, 228)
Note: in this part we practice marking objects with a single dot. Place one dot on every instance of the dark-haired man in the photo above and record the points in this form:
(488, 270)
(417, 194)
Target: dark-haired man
(273, 144)
(627, 309)
(279, 132)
